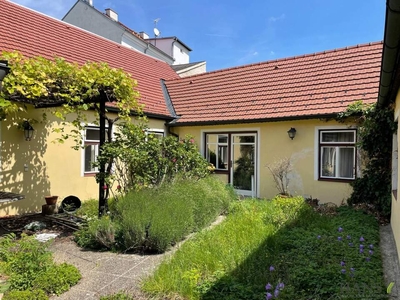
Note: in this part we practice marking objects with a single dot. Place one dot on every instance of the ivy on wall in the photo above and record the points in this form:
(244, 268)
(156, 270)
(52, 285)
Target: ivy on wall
(376, 127)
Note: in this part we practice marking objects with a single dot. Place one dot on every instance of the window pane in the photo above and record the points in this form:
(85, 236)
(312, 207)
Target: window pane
(244, 139)
(211, 138)
(338, 162)
(92, 134)
(328, 162)
(338, 137)
(211, 154)
(222, 157)
(222, 138)
(346, 162)
(90, 157)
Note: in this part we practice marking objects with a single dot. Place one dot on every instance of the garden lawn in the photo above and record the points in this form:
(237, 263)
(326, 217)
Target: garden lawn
(281, 249)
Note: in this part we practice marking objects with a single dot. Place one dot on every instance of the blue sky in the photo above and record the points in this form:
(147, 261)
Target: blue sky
(228, 33)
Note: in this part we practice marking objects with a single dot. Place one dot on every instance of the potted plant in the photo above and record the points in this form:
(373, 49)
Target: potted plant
(51, 200)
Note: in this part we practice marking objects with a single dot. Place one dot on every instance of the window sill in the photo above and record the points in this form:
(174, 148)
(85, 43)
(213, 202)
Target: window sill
(335, 180)
(89, 174)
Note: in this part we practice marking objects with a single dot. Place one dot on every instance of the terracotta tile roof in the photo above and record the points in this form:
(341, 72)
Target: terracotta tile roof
(33, 34)
(298, 87)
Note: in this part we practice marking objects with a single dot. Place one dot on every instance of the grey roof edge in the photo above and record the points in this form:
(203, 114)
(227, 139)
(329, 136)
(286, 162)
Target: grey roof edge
(168, 101)
(187, 67)
(174, 38)
(71, 9)
(390, 54)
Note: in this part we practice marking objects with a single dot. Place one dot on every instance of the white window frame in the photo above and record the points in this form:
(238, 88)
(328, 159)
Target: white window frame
(337, 145)
(218, 144)
(156, 131)
(316, 148)
(89, 142)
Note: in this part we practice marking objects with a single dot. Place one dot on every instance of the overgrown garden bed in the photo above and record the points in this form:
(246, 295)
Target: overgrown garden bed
(279, 249)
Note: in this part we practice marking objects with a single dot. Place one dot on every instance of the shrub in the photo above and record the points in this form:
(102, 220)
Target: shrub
(143, 160)
(284, 210)
(25, 295)
(57, 279)
(153, 219)
(24, 259)
(98, 234)
(30, 265)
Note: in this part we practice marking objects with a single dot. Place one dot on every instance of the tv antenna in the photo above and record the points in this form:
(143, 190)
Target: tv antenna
(156, 31)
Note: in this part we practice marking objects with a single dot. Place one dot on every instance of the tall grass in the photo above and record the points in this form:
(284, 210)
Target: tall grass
(232, 260)
(152, 220)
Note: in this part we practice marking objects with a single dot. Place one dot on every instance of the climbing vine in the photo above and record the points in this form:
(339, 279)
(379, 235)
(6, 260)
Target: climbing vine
(71, 90)
(376, 127)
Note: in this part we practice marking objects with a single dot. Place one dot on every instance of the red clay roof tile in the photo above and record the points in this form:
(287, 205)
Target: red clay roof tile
(33, 34)
(303, 86)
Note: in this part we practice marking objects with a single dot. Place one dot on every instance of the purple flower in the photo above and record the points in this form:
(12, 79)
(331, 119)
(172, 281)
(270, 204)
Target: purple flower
(368, 258)
(268, 286)
(340, 229)
(342, 263)
(370, 252)
(351, 244)
(352, 269)
(276, 293)
(281, 285)
(361, 246)
(319, 237)
(339, 238)
(362, 239)
(269, 296)
(371, 246)
(349, 237)
(351, 274)
(343, 271)
(361, 250)
(271, 268)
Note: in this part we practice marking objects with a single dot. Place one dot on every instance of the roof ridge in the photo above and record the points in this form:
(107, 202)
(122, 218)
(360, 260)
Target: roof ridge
(282, 59)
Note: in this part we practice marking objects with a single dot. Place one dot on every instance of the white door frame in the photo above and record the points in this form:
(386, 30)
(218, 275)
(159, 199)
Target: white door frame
(250, 130)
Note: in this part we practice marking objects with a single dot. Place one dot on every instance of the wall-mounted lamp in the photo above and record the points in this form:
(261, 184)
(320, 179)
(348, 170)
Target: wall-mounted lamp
(28, 131)
(4, 69)
(292, 132)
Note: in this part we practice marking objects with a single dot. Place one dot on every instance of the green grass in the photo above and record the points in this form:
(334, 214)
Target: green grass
(232, 260)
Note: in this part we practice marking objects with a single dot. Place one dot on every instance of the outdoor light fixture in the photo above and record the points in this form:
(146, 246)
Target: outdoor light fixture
(4, 69)
(28, 130)
(292, 132)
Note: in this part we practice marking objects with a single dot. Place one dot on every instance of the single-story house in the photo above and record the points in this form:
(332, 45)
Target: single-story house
(240, 117)
(389, 94)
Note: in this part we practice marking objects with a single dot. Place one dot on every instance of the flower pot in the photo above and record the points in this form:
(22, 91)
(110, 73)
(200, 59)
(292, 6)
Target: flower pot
(51, 200)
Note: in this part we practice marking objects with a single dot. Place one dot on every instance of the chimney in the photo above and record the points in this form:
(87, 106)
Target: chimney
(112, 14)
(90, 2)
(144, 35)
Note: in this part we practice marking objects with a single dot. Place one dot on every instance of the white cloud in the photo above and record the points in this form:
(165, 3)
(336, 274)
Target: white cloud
(53, 8)
(271, 53)
(274, 19)
(255, 53)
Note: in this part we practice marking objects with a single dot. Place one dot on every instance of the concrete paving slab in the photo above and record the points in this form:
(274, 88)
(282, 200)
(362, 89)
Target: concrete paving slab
(390, 261)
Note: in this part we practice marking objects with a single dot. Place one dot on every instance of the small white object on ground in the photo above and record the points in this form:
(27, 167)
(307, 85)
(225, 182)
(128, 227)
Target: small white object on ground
(44, 237)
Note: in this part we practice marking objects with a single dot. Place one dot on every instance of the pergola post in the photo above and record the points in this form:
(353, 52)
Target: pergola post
(102, 185)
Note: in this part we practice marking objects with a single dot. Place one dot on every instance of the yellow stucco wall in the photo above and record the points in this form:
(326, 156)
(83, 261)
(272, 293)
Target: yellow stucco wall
(395, 217)
(40, 167)
(275, 144)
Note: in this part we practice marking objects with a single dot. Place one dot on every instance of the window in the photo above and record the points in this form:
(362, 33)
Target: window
(217, 150)
(337, 152)
(157, 133)
(91, 150)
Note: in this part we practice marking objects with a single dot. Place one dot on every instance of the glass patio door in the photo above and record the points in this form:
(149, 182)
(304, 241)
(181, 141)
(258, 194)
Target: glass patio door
(243, 166)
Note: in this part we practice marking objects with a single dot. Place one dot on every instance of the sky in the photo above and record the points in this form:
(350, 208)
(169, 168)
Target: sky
(229, 33)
